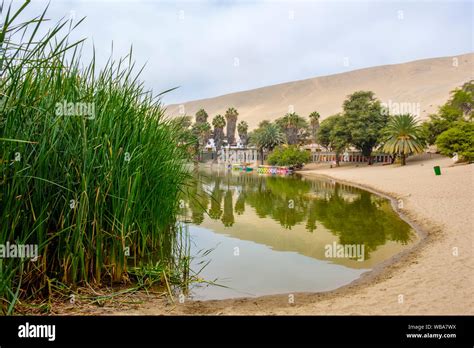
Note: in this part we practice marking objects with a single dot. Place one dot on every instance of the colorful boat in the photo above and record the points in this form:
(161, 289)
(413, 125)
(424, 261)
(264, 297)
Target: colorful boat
(241, 167)
(274, 170)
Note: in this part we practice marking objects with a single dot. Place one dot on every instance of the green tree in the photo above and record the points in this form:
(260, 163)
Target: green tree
(333, 134)
(182, 125)
(231, 116)
(294, 127)
(458, 139)
(201, 116)
(324, 132)
(365, 119)
(218, 122)
(457, 108)
(202, 132)
(242, 129)
(314, 122)
(432, 128)
(403, 137)
(463, 100)
(289, 156)
(183, 121)
(267, 138)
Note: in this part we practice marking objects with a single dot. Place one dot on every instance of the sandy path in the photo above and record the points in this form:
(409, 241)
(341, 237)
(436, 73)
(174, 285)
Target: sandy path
(430, 277)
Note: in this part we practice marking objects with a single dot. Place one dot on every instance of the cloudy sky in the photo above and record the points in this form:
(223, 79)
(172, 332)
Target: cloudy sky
(209, 48)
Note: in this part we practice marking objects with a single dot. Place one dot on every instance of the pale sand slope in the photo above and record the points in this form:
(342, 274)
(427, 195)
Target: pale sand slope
(431, 279)
(427, 82)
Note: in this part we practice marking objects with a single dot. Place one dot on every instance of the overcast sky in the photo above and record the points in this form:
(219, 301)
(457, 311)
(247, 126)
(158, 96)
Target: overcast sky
(209, 48)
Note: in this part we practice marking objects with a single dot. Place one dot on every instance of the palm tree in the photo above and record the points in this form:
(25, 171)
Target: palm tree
(201, 116)
(183, 124)
(202, 132)
(218, 122)
(292, 125)
(205, 131)
(314, 122)
(267, 138)
(403, 137)
(183, 121)
(231, 117)
(242, 129)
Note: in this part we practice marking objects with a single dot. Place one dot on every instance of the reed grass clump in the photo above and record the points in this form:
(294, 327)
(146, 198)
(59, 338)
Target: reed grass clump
(91, 171)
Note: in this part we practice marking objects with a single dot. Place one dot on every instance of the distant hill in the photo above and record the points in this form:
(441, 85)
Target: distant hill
(427, 82)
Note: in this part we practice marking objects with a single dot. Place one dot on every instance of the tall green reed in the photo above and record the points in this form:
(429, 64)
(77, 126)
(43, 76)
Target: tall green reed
(97, 191)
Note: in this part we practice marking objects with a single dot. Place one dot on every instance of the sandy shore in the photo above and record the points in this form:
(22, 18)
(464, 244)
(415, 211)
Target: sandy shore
(435, 277)
(434, 280)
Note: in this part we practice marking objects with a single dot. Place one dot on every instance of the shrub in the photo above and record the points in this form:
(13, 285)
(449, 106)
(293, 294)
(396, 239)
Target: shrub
(458, 139)
(289, 156)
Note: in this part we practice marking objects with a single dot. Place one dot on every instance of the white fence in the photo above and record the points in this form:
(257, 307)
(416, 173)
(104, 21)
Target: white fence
(354, 157)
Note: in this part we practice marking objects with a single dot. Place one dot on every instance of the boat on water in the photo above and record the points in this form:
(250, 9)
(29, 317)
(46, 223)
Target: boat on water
(242, 167)
(274, 170)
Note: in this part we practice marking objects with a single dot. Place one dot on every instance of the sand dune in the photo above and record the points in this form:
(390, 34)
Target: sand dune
(426, 83)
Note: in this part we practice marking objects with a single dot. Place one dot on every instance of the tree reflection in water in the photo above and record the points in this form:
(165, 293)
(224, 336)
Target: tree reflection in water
(354, 215)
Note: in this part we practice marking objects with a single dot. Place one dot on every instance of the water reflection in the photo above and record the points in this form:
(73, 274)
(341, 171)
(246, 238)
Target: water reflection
(352, 215)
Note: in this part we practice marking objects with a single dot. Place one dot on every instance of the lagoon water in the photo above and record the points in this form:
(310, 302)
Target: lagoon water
(265, 235)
